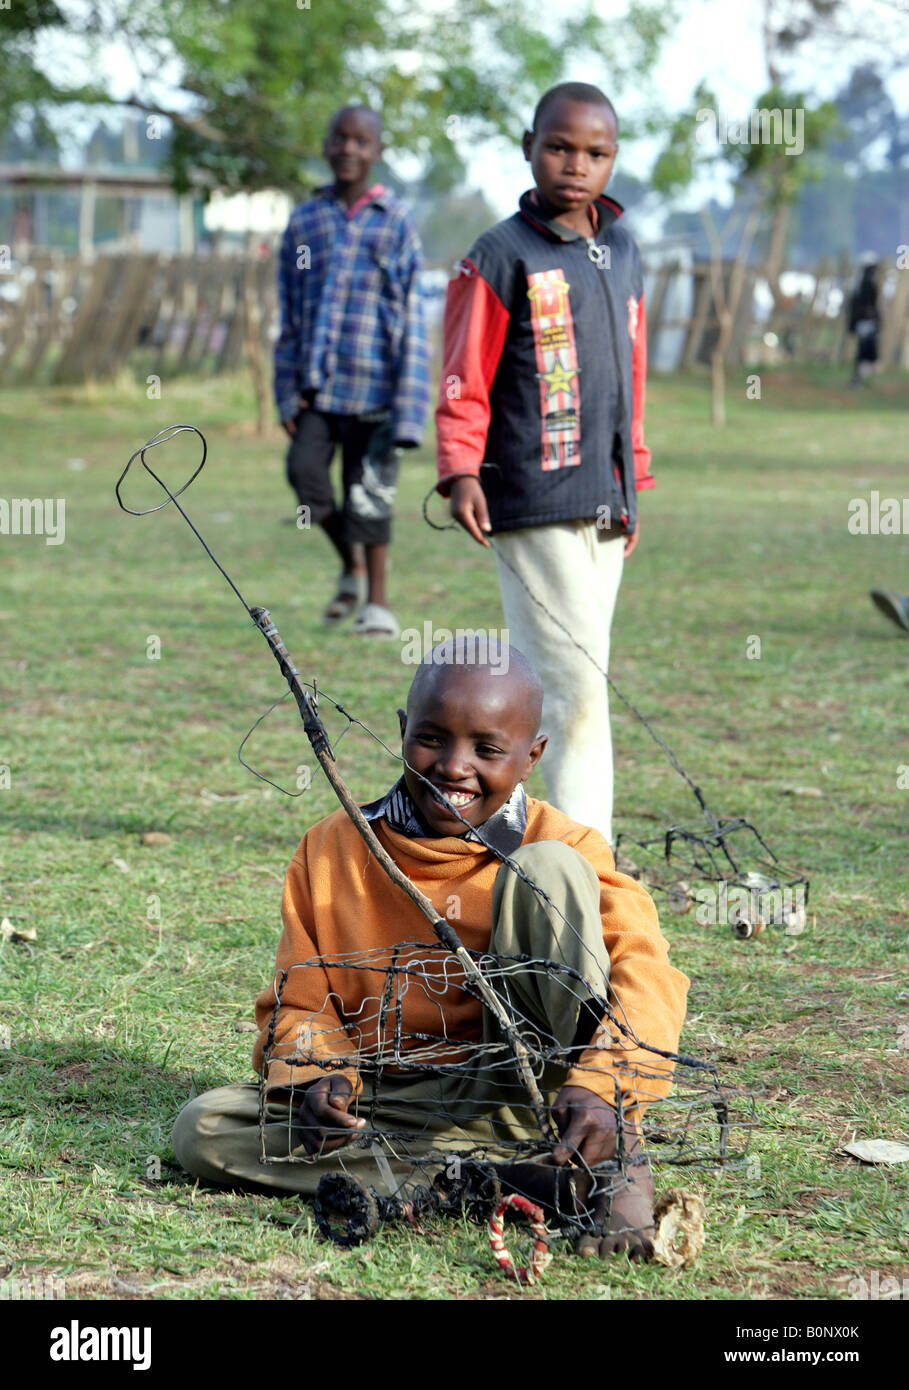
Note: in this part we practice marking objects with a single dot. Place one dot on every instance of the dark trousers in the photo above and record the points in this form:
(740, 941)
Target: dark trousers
(369, 472)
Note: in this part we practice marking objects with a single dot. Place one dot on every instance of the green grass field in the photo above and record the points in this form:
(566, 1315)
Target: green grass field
(113, 1016)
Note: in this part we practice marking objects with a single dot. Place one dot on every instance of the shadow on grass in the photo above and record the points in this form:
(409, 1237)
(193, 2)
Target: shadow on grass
(89, 1104)
(80, 827)
(35, 821)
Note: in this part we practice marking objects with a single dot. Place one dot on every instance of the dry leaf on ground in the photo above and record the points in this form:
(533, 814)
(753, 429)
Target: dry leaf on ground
(878, 1151)
(10, 933)
(154, 837)
(679, 1220)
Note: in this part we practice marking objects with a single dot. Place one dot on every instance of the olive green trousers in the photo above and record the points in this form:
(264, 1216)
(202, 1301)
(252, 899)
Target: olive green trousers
(220, 1137)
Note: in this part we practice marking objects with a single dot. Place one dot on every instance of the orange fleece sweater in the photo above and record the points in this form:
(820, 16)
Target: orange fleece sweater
(338, 900)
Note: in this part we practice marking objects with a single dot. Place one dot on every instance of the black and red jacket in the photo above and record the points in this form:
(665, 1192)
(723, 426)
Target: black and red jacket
(544, 362)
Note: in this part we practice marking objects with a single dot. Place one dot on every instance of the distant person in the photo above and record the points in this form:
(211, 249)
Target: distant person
(351, 362)
(865, 321)
(543, 445)
(894, 606)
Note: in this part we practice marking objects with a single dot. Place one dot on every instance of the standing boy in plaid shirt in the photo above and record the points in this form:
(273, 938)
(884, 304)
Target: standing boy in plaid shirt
(351, 363)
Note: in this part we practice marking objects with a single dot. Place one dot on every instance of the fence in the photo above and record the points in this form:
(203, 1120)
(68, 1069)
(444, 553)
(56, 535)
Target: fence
(67, 319)
(811, 327)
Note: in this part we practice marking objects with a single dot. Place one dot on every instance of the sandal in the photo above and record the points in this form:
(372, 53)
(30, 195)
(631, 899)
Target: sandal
(350, 593)
(375, 621)
(893, 606)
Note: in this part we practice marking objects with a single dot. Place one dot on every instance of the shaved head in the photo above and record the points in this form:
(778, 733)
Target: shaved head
(471, 730)
(480, 663)
(366, 113)
(582, 93)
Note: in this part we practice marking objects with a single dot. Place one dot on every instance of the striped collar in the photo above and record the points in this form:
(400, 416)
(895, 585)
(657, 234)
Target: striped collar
(504, 830)
(606, 211)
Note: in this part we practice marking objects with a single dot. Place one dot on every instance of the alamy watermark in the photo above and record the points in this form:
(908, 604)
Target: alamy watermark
(878, 516)
(31, 1290)
(463, 646)
(732, 905)
(84, 1343)
(872, 1287)
(34, 516)
(762, 126)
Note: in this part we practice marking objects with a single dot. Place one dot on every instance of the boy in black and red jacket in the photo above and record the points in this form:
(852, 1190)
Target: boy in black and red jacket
(540, 425)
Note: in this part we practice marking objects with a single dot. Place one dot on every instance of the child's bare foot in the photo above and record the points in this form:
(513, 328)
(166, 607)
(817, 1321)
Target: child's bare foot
(588, 1130)
(625, 1217)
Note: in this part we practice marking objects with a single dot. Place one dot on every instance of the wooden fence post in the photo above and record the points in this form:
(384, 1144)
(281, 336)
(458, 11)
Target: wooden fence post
(699, 316)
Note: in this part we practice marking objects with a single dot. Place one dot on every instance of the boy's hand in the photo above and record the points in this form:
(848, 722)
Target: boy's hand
(625, 1217)
(586, 1123)
(468, 507)
(323, 1110)
(631, 542)
(290, 426)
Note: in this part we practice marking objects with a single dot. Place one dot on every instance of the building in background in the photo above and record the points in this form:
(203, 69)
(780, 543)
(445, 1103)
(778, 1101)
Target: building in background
(668, 298)
(117, 197)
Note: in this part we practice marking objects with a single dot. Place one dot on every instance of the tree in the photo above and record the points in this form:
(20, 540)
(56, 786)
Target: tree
(726, 296)
(858, 203)
(773, 150)
(779, 175)
(248, 88)
(867, 29)
(759, 147)
(833, 26)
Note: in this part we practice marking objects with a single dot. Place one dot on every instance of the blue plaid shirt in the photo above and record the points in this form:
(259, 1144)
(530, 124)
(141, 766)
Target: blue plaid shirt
(352, 325)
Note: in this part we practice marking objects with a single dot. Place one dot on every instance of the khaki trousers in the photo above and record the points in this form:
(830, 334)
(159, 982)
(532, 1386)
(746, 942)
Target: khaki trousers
(218, 1138)
(575, 569)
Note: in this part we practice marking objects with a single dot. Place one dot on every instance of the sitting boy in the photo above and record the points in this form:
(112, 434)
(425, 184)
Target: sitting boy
(423, 1064)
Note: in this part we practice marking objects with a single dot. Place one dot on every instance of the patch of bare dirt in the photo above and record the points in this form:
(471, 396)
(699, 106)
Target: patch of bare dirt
(73, 1073)
(278, 1279)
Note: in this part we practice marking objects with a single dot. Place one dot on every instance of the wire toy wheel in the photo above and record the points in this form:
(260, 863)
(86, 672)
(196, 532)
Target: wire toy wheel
(342, 1198)
(475, 1190)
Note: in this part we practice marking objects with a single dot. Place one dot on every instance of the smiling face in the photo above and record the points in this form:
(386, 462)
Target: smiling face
(353, 144)
(472, 732)
(572, 153)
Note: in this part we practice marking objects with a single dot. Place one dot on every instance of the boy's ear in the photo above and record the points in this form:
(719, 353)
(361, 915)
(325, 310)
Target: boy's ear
(527, 144)
(535, 753)
(402, 720)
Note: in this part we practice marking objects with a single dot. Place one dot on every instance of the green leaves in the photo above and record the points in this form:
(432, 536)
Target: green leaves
(250, 88)
(677, 163)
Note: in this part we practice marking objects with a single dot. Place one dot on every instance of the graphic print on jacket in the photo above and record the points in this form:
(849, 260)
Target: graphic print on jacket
(542, 392)
(557, 368)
